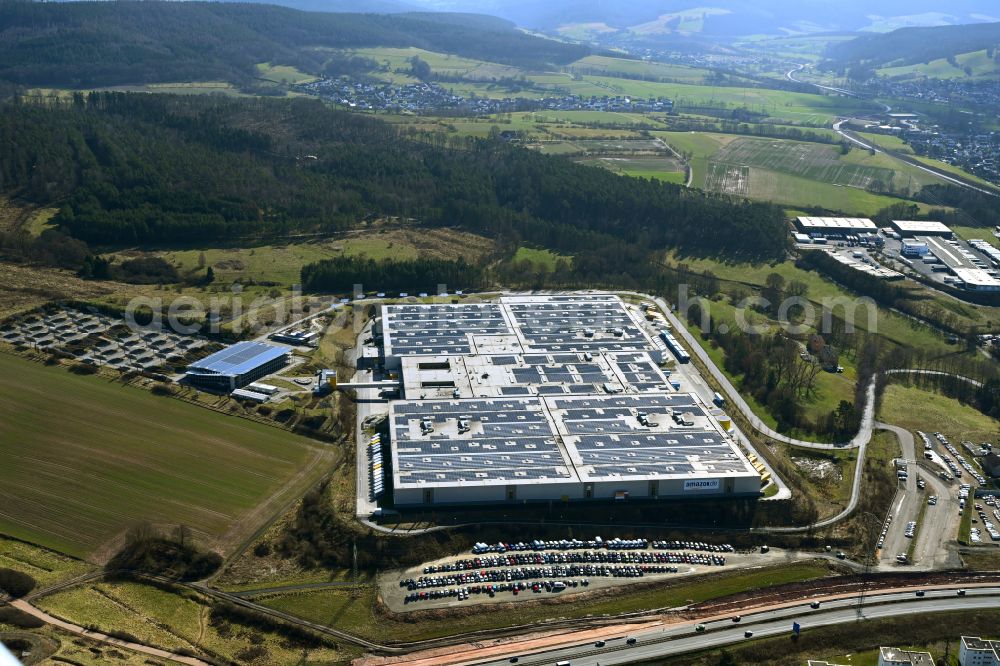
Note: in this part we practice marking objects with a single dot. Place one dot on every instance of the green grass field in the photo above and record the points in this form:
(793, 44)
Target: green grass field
(895, 328)
(283, 73)
(540, 258)
(440, 63)
(956, 170)
(172, 88)
(918, 409)
(178, 622)
(85, 458)
(653, 70)
(352, 609)
(979, 66)
(282, 264)
(45, 566)
(794, 108)
(968, 233)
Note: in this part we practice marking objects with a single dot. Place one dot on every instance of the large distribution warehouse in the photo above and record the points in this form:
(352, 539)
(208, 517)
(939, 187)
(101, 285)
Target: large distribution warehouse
(835, 225)
(534, 398)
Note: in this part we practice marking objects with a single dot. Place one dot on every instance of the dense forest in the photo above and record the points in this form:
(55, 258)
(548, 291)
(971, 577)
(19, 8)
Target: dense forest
(130, 169)
(341, 273)
(80, 44)
(909, 46)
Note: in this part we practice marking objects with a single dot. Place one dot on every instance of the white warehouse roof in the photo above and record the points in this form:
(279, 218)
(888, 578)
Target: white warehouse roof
(977, 279)
(921, 227)
(844, 223)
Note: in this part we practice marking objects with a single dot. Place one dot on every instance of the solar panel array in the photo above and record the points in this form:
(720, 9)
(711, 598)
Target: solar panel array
(577, 325)
(574, 374)
(239, 358)
(555, 324)
(601, 406)
(611, 442)
(513, 442)
(641, 374)
(440, 329)
(509, 440)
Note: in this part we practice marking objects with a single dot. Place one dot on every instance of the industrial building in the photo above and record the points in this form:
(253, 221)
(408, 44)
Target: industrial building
(914, 248)
(236, 366)
(835, 225)
(297, 337)
(911, 228)
(599, 447)
(975, 651)
(512, 325)
(976, 279)
(970, 272)
(890, 656)
(542, 398)
(862, 262)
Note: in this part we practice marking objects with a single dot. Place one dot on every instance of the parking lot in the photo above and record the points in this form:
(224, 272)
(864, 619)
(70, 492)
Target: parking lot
(937, 483)
(532, 573)
(95, 338)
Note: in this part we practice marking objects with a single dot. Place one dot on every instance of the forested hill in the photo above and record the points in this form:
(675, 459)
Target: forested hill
(133, 169)
(909, 46)
(111, 43)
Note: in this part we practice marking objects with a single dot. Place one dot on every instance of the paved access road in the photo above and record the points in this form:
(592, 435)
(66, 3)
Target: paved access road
(658, 643)
(733, 395)
(939, 523)
(906, 505)
(24, 606)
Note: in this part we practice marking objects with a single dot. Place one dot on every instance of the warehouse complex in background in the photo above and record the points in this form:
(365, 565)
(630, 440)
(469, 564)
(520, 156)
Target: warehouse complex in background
(908, 229)
(534, 398)
(835, 225)
(236, 366)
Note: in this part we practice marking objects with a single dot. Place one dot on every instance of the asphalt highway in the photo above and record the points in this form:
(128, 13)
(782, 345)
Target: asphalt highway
(656, 643)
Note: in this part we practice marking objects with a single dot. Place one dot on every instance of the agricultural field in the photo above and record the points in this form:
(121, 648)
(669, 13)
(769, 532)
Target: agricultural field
(818, 162)
(795, 173)
(665, 168)
(87, 457)
(596, 64)
(728, 179)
